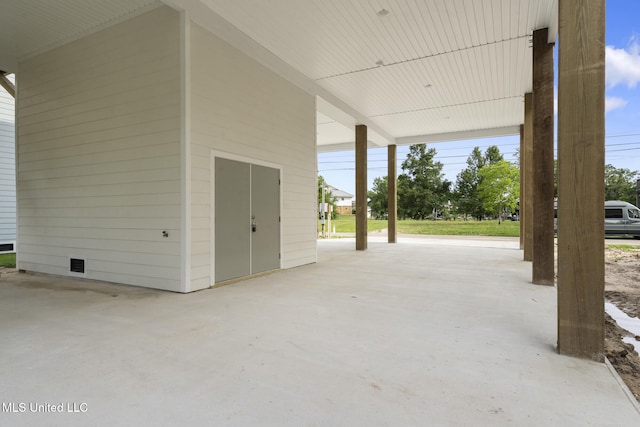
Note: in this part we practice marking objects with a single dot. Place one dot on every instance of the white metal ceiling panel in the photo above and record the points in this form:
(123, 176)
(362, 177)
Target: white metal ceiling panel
(440, 81)
(458, 118)
(396, 59)
(404, 67)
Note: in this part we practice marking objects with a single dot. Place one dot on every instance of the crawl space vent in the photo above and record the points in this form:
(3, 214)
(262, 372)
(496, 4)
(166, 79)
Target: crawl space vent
(76, 265)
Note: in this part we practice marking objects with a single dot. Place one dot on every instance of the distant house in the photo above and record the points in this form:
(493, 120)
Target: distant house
(353, 209)
(343, 201)
(7, 172)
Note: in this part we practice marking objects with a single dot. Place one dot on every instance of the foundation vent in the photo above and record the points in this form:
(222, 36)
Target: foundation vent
(76, 265)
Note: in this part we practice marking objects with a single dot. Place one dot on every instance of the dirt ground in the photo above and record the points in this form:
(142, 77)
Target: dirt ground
(622, 287)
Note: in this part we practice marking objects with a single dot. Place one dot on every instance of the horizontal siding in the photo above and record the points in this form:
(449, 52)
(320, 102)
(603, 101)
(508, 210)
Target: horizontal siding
(242, 108)
(87, 192)
(96, 138)
(7, 168)
(153, 262)
(99, 154)
(129, 223)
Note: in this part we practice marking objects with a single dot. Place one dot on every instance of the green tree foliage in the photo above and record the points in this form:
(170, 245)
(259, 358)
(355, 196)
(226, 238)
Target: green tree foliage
(422, 187)
(620, 184)
(466, 191)
(492, 155)
(499, 187)
(405, 207)
(379, 197)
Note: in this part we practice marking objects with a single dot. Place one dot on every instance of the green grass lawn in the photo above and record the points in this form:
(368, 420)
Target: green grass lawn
(460, 228)
(625, 248)
(347, 224)
(8, 260)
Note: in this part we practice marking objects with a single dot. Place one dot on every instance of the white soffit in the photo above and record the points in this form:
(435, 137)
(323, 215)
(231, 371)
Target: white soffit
(330, 131)
(407, 69)
(411, 67)
(335, 127)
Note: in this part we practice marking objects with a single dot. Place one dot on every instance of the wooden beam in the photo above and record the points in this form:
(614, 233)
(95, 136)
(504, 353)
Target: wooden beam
(361, 187)
(581, 93)
(543, 252)
(392, 194)
(528, 176)
(521, 196)
(7, 85)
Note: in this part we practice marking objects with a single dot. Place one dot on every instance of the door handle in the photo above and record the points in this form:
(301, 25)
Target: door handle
(253, 227)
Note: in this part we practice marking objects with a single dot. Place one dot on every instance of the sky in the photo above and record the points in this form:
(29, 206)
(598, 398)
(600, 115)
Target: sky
(622, 118)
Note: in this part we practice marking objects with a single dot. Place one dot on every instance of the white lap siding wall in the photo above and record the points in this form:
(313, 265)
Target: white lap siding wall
(7, 169)
(99, 154)
(115, 134)
(237, 106)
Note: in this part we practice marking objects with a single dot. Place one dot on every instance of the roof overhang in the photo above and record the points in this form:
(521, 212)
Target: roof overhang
(412, 72)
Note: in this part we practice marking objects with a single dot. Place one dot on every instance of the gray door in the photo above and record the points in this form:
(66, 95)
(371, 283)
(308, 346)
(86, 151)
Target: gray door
(265, 205)
(247, 219)
(232, 213)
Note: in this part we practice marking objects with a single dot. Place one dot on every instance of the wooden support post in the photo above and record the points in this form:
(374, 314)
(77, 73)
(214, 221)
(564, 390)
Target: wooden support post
(361, 187)
(543, 253)
(581, 90)
(521, 197)
(528, 176)
(392, 194)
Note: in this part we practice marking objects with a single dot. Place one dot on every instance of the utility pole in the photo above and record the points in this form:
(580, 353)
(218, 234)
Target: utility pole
(322, 219)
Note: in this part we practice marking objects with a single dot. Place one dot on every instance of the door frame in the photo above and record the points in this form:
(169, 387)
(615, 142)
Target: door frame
(212, 200)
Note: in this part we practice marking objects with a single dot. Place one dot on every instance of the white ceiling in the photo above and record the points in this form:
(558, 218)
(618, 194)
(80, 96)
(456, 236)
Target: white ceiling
(28, 27)
(412, 70)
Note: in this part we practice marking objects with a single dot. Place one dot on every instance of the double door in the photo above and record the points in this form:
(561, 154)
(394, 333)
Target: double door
(247, 219)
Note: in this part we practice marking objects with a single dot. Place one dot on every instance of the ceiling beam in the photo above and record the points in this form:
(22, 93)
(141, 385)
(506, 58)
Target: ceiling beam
(459, 136)
(6, 84)
(347, 120)
(343, 146)
(431, 138)
(8, 63)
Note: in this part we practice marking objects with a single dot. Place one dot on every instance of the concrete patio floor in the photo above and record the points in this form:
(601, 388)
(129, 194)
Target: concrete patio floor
(426, 332)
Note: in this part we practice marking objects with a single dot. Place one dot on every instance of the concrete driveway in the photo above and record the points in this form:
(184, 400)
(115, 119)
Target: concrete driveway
(426, 332)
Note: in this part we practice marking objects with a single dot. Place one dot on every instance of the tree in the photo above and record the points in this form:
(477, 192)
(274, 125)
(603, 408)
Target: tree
(466, 192)
(499, 187)
(404, 205)
(493, 155)
(620, 184)
(379, 197)
(422, 187)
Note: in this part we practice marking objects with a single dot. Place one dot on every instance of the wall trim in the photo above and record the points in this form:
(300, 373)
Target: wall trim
(185, 149)
(212, 209)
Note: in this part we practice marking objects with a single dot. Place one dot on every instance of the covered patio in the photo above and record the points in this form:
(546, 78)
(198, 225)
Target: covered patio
(242, 81)
(430, 331)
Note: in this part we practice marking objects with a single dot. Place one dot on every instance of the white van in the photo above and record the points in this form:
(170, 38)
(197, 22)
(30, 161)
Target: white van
(620, 219)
